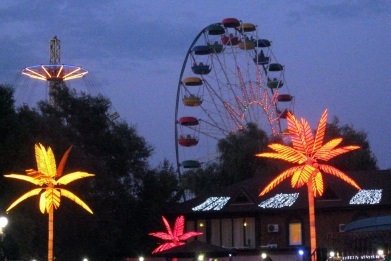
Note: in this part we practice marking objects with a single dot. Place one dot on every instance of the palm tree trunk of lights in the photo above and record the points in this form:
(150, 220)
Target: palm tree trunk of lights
(50, 234)
(311, 210)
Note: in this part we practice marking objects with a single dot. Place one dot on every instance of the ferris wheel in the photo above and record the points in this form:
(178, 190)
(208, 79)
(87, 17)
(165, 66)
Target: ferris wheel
(229, 78)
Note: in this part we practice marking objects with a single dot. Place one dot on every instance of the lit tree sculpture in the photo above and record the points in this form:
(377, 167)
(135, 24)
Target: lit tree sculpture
(308, 152)
(46, 176)
(174, 237)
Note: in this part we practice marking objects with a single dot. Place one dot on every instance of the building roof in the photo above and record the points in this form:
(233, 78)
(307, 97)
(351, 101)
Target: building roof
(244, 196)
(379, 223)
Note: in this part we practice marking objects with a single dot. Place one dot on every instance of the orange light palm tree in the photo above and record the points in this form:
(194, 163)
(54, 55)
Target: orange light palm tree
(46, 175)
(175, 237)
(308, 152)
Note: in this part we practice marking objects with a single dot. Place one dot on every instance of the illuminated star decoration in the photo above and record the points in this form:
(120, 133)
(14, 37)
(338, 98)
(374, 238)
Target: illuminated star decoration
(174, 237)
(279, 201)
(367, 196)
(212, 203)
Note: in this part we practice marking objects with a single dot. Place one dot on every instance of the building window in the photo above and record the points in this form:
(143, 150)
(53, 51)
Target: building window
(244, 232)
(295, 234)
(231, 232)
(201, 227)
(226, 232)
(249, 232)
(238, 232)
(215, 232)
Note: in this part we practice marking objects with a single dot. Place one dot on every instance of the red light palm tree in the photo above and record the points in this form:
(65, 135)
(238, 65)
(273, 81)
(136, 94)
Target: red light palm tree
(50, 195)
(308, 152)
(175, 237)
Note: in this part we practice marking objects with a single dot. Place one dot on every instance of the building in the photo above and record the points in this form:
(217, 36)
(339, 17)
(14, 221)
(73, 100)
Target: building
(278, 224)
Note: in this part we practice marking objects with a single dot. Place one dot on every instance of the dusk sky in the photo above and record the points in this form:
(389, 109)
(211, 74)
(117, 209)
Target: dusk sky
(337, 56)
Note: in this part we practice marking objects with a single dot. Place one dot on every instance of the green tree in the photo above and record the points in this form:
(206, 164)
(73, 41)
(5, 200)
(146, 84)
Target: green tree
(359, 160)
(236, 162)
(111, 149)
(237, 152)
(7, 123)
(201, 181)
(155, 191)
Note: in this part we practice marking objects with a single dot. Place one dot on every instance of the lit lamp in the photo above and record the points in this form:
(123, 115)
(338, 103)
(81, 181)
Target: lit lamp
(380, 253)
(301, 253)
(334, 257)
(331, 255)
(3, 223)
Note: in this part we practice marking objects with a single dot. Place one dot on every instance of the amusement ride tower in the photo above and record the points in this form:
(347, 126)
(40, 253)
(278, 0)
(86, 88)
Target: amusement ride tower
(55, 73)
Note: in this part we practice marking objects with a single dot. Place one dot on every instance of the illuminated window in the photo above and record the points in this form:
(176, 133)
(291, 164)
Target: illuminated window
(295, 234)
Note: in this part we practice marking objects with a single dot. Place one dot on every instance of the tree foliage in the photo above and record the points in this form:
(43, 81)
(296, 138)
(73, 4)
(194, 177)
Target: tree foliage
(127, 196)
(237, 159)
(237, 153)
(236, 162)
(122, 186)
(202, 180)
(358, 160)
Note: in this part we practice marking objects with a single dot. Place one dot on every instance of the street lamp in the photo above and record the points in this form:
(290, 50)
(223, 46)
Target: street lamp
(3, 223)
(334, 256)
(380, 253)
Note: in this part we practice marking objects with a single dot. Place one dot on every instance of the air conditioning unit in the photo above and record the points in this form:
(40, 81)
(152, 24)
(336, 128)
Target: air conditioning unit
(272, 228)
(271, 245)
(341, 227)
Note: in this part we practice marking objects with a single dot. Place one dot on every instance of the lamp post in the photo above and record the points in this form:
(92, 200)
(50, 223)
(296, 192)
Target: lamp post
(3, 223)
(334, 257)
(380, 254)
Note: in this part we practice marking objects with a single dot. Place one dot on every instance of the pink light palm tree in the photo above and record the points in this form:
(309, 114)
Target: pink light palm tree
(173, 237)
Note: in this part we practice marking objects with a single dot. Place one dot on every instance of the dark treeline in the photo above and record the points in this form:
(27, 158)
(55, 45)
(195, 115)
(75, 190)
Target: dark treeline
(128, 197)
